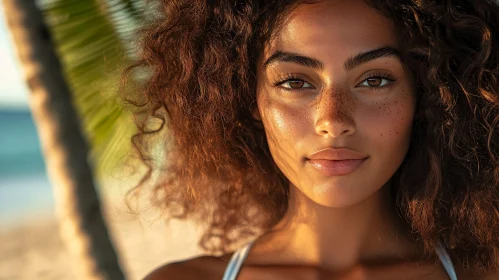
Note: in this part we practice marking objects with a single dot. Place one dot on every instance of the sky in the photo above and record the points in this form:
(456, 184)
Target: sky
(13, 90)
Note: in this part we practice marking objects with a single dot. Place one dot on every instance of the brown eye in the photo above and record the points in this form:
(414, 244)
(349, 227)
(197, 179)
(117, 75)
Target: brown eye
(296, 84)
(374, 82)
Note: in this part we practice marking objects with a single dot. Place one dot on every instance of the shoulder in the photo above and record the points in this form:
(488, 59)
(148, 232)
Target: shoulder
(204, 267)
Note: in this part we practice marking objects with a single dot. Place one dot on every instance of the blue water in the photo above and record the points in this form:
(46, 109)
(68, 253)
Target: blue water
(24, 186)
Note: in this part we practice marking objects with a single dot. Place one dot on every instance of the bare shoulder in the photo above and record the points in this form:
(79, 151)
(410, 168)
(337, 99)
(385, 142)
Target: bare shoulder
(204, 267)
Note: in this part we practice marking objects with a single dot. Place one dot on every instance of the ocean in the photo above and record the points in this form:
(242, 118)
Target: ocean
(24, 186)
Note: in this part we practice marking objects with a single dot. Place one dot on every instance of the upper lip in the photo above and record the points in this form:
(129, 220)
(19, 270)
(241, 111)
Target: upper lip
(337, 154)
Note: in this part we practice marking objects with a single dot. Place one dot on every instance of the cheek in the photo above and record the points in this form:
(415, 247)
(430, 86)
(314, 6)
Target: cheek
(278, 122)
(283, 122)
(285, 126)
(388, 124)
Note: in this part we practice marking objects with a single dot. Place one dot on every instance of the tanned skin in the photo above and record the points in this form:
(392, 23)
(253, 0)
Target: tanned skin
(319, 88)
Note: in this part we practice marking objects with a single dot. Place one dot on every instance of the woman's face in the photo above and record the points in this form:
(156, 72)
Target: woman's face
(331, 79)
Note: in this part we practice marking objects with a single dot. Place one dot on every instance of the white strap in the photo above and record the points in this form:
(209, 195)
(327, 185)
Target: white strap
(446, 261)
(238, 258)
(236, 262)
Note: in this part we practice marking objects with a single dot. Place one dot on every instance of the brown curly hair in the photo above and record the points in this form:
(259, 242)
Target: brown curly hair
(200, 59)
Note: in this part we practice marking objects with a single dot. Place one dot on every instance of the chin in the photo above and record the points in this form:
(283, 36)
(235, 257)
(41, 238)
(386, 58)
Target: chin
(341, 194)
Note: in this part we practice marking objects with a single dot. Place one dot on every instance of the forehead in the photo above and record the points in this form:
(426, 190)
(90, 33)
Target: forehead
(333, 28)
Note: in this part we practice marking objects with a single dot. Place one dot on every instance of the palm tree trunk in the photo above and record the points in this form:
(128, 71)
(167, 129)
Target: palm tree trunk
(64, 147)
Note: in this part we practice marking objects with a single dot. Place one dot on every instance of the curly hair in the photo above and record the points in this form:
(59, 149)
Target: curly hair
(201, 56)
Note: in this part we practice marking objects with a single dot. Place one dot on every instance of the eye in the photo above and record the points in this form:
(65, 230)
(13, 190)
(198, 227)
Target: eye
(376, 82)
(295, 84)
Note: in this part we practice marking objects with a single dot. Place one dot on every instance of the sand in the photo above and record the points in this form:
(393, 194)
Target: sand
(32, 248)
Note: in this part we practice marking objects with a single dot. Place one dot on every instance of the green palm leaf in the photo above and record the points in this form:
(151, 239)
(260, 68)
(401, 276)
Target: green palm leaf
(91, 37)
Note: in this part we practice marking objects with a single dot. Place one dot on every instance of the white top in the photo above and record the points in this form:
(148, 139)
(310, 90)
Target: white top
(240, 255)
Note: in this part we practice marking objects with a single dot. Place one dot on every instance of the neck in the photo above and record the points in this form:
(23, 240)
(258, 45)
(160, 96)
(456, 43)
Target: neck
(336, 238)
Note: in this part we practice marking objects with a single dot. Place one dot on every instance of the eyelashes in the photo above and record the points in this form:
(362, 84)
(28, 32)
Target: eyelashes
(289, 81)
(386, 80)
(371, 81)
(290, 77)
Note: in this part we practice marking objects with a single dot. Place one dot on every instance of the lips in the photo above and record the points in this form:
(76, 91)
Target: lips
(336, 162)
(336, 154)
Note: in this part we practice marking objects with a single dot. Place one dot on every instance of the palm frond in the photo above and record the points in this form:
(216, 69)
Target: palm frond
(93, 41)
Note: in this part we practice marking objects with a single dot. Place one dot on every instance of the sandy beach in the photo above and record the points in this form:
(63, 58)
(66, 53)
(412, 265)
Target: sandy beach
(30, 244)
(32, 248)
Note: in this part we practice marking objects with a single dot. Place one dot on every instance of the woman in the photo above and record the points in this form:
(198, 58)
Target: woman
(341, 139)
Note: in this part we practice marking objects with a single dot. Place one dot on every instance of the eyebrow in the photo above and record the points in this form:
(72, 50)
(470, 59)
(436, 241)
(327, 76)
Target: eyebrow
(350, 63)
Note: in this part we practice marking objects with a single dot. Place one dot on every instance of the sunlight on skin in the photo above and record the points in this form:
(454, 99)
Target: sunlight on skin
(317, 88)
(334, 111)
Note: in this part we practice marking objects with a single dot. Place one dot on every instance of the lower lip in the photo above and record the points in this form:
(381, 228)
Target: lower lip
(336, 167)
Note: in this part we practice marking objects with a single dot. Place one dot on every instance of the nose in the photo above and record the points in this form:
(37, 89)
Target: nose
(334, 115)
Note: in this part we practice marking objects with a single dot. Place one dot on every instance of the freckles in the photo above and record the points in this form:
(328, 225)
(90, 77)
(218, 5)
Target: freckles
(401, 116)
(389, 119)
(336, 103)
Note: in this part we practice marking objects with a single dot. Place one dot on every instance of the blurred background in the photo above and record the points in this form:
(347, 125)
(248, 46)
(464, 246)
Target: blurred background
(44, 224)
